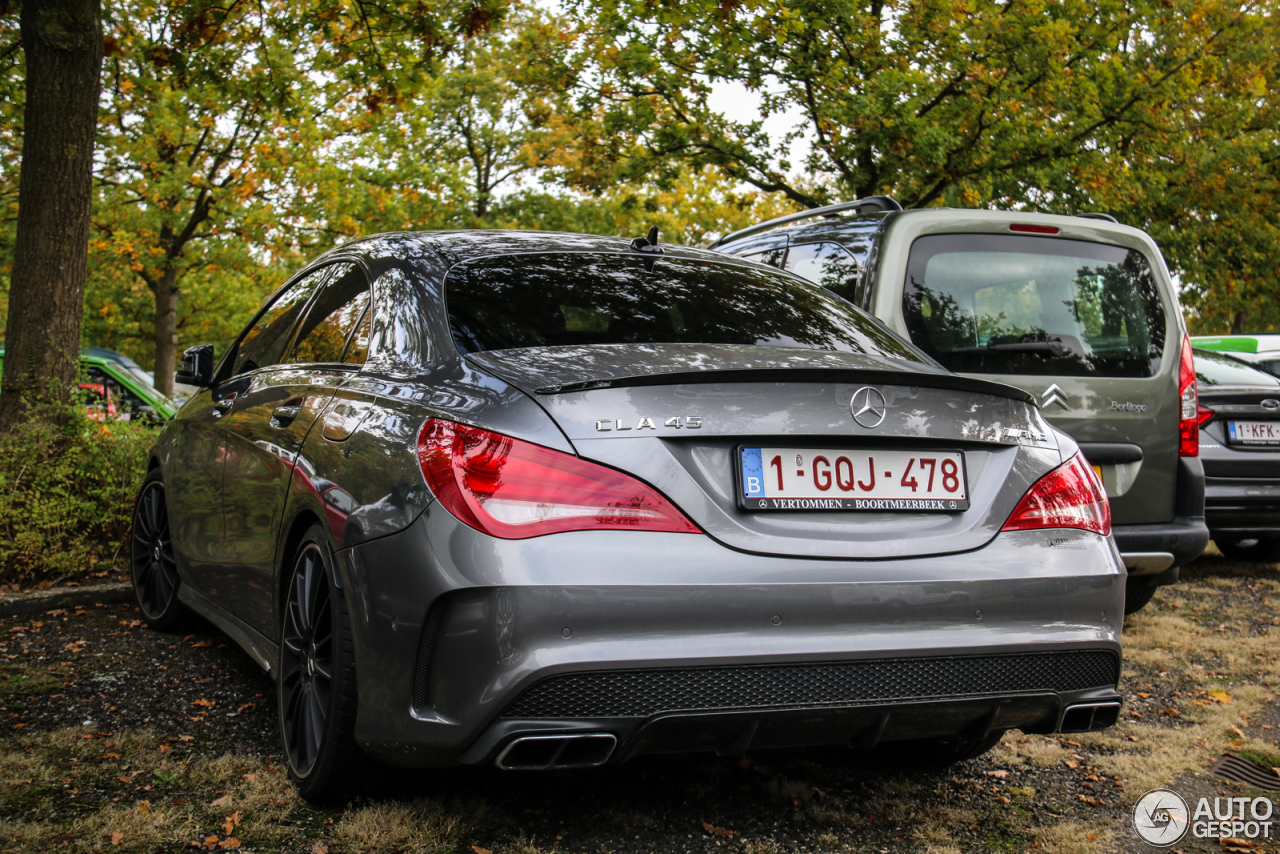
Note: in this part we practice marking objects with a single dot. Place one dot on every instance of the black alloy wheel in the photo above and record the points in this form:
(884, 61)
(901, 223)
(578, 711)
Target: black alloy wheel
(152, 565)
(316, 678)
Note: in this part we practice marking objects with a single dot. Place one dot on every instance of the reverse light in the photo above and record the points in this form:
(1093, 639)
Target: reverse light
(1070, 496)
(1188, 404)
(513, 489)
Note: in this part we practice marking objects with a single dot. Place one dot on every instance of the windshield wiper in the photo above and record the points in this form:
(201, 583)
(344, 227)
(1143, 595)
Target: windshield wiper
(1053, 348)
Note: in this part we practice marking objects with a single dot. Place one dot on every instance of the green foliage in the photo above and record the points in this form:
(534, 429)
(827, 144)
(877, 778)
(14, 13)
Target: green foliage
(1162, 112)
(66, 496)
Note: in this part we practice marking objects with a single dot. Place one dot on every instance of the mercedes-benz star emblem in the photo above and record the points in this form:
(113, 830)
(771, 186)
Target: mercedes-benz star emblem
(868, 407)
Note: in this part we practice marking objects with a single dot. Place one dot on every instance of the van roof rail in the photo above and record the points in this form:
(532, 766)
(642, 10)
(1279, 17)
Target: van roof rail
(1096, 215)
(870, 204)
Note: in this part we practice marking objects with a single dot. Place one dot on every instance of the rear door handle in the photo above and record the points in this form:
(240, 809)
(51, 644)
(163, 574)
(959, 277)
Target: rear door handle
(283, 416)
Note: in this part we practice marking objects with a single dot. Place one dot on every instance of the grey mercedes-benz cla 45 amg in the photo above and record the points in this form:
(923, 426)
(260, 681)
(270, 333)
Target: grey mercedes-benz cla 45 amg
(554, 501)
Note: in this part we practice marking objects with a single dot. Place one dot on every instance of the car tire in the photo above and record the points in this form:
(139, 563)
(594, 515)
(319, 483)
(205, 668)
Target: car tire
(1259, 550)
(1137, 593)
(316, 678)
(152, 566)
(927, 753)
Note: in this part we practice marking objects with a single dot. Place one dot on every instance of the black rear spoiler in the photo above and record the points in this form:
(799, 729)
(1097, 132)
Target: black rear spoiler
(953, 382)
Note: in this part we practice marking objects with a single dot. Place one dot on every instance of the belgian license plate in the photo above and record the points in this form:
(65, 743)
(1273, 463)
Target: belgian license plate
(1254, 432)
(841, 479)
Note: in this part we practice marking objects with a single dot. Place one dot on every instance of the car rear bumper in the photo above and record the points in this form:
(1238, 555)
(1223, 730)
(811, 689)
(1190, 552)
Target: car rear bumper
(1242, 507)
(656, 642)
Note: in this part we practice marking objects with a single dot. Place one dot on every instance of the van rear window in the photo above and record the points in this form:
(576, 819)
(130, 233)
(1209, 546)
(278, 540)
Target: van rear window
(1009, 304)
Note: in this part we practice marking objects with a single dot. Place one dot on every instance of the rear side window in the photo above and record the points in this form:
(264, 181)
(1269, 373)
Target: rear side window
(557, 299)
(1008, 304)
(1217, 369)
(826, 264)
(772, 257)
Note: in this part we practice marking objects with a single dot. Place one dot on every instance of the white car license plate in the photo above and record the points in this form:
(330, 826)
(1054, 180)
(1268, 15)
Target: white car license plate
(842, 479)
(1254, 432)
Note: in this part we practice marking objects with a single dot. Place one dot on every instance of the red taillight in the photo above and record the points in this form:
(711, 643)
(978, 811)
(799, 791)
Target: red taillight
(1203, 414)
(514, 489)
(1070, 496)
(1189, 404)
(1033, 229)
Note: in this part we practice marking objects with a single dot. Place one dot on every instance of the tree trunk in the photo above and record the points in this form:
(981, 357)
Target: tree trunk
(166, 330)
(1237, 323)
(62, 40)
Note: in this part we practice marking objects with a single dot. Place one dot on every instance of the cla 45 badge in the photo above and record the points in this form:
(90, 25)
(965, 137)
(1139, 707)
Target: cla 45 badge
(693, 422)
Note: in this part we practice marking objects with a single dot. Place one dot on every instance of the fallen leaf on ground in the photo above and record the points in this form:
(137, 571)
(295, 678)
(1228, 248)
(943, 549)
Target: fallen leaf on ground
(321, 848)
(999, 775)
(224, 801)
(1002, 800)
(1093, 802)
(1220, 696)
(717, 831)
(229, 842)
(476, 848)
(117, 839)
(1229, 842)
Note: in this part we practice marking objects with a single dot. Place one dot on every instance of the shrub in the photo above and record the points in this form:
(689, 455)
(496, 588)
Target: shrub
(66, 497)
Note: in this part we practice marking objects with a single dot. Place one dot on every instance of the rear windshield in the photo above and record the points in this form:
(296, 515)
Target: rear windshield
(546, 300)
(1217, 369)
(1008, 304)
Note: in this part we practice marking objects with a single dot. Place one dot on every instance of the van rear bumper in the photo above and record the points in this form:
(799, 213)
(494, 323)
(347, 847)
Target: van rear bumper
(1152, 549)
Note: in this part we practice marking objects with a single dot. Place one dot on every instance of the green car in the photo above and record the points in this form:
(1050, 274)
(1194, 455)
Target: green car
(1261, 350)
(115, 386)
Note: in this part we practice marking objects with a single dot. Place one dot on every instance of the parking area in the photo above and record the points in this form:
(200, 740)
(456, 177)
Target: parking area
(120, 739)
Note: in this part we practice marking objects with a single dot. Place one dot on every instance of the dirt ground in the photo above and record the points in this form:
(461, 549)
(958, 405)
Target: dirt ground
(116, 738)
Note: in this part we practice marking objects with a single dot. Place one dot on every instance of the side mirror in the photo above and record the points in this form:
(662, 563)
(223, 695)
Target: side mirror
(197, 367)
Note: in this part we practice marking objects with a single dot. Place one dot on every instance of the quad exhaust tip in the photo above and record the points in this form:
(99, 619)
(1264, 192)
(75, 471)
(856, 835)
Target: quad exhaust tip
(546, 752)
(1090, 717)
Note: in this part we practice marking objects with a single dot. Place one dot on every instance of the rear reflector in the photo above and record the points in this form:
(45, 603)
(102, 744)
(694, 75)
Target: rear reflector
(514, 489)
(1034, 229)
(1070, 496)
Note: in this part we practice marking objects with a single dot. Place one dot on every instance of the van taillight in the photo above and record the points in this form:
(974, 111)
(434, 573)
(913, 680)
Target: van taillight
(1189, 404)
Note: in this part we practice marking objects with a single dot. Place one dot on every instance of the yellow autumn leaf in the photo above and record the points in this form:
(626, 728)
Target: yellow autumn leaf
(1220, 696)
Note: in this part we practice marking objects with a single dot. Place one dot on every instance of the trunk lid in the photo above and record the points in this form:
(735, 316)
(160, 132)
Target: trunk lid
(676, 415)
